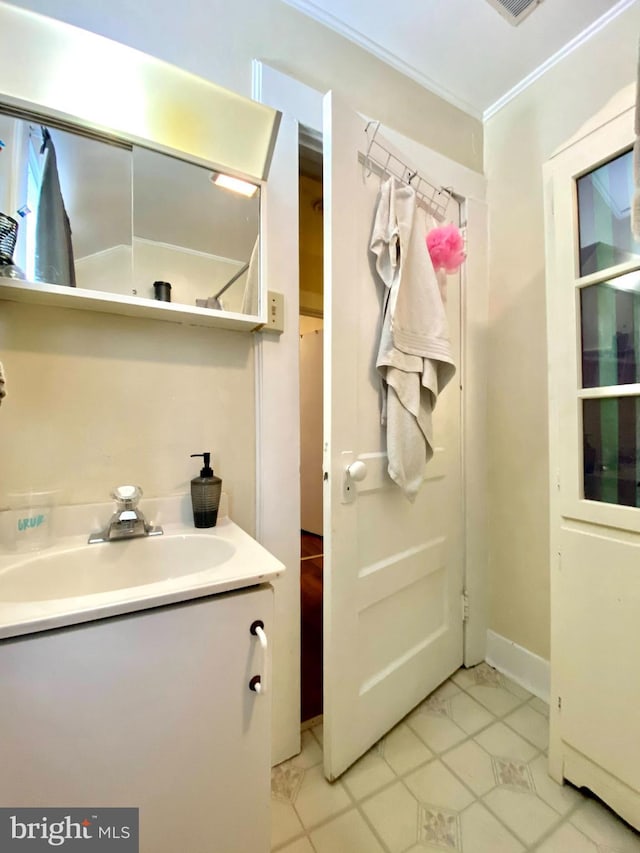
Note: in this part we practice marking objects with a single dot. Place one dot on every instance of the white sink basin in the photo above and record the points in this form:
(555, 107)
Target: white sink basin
(91, 569)
(73, 582)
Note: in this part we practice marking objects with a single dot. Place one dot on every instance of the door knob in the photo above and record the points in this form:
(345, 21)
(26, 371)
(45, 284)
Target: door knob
(353, 471)
(357, 471)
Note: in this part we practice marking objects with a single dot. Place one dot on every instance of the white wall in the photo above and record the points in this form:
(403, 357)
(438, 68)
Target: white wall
(96, 400)
(518, 140)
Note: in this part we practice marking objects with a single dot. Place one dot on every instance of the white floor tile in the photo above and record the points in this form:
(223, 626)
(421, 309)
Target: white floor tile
(285, 823)
(311, 753)
(526, 815)
(473, 765)
(463, 678)
(434, 808)
(469, 714)
(318, 799)
(403, 750)
(438, 829)
(348, 833)
(368, 774)
(286, 780)
(435, 785)
(446, 690)
(514, 688)
(530, 724)
(498, 700)
(559, 797)
(482, 833)
(438, 732)
(501, 741)
(604, 828)
(302, 845)
(394, 814)
(567, 839)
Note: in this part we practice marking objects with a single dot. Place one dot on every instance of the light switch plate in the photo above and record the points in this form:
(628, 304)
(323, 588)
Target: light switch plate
(275, 312)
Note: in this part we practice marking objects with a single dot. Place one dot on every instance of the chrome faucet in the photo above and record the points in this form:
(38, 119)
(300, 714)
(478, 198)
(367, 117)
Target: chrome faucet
(127, 522)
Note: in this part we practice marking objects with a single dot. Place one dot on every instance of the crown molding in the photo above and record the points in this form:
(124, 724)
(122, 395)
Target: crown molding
(333, 23)
(312, 10)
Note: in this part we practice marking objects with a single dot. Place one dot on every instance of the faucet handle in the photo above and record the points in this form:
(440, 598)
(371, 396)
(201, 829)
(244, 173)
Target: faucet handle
(127, 496)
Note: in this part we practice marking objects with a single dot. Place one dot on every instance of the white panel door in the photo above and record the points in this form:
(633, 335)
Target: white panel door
(594, 340)
(393, 570)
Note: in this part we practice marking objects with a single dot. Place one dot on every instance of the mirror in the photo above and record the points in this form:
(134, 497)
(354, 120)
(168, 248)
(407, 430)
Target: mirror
(136, 143)
(114, 217)
(194, 234)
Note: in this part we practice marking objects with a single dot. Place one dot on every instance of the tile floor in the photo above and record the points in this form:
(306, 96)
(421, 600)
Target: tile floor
(465, 771)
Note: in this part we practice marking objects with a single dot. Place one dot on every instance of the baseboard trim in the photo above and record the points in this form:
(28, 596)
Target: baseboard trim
(519, 664)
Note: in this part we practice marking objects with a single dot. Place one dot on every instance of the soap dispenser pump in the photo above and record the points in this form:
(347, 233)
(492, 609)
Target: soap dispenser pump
(205, 494)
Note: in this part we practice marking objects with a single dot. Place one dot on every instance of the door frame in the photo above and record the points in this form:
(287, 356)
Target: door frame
(278, 528)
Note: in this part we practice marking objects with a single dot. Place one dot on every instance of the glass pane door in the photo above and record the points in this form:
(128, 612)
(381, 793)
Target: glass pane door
(604, 210)
(609, 312)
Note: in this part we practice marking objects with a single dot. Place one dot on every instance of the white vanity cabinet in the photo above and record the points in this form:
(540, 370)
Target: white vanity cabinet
(150, 710)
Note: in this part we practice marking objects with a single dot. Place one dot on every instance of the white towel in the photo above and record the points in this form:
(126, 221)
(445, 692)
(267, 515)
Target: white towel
(414, 355)
(3, 384)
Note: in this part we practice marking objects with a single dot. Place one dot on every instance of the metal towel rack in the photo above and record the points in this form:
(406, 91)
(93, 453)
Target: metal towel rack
(380, 160)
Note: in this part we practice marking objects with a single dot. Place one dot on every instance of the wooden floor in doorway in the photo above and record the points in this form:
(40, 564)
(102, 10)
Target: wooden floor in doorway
(311, 565)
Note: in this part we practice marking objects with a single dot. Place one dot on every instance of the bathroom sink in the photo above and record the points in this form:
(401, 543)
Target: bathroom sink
(91, 569)
(72, 582)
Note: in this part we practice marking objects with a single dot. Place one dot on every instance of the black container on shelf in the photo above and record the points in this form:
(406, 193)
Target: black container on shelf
(162, 291)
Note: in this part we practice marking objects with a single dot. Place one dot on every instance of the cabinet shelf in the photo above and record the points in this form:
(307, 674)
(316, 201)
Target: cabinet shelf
(59, 296)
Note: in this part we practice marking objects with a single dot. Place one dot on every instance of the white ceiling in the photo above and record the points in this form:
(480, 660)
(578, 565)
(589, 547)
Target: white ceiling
(464, 50)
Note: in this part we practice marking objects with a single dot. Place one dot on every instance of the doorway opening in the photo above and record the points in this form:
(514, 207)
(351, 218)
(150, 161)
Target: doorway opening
(311, 425)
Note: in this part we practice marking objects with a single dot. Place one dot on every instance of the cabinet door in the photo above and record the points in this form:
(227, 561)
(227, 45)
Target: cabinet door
(150, 710)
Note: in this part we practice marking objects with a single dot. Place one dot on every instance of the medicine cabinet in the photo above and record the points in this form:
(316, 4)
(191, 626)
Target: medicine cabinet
(119, 171)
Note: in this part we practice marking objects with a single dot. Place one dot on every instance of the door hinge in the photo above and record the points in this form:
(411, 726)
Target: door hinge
(464, 598)
(559, 703)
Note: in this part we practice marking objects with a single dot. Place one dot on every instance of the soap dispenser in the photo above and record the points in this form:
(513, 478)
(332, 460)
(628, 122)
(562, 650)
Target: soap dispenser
(205, 494)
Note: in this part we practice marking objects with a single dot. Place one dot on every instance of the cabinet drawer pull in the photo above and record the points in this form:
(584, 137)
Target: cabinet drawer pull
(259, 682)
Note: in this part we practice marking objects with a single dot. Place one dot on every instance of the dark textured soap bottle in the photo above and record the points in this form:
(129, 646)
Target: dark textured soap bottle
(205, 494)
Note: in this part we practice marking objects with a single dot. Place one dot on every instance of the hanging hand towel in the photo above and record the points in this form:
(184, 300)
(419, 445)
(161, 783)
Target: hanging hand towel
(414, 355)
(54, 249)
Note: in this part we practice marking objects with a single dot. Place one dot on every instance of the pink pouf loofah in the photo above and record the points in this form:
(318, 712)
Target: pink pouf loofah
(446, 247)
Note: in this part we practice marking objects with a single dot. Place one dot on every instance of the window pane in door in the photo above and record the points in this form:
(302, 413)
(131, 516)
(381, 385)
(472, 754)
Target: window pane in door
(604, 216)
(610, 327)
(611, 440)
